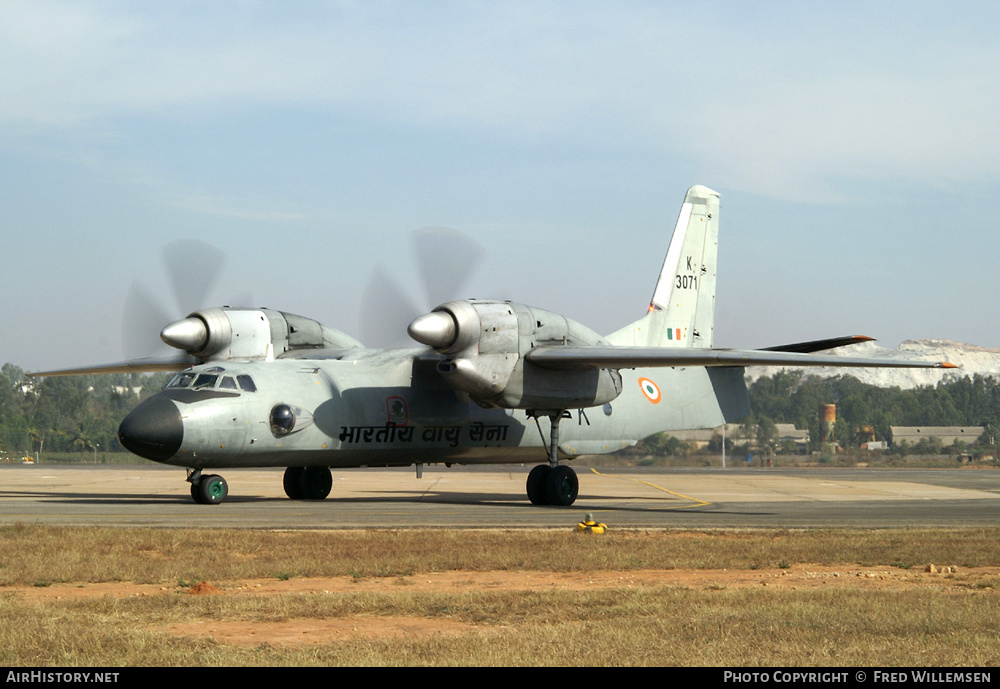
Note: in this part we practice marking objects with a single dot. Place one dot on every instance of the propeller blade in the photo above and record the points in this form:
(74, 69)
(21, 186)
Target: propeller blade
(386, 310)
(446, 258)
(193, 267)
(142, 319)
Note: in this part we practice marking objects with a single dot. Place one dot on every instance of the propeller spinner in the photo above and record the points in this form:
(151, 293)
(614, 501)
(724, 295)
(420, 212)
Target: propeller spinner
(189, 334)
(435, 329)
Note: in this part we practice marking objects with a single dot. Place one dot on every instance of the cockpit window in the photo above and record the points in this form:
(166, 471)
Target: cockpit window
(210, 378)
(205, 380)
(181, 380)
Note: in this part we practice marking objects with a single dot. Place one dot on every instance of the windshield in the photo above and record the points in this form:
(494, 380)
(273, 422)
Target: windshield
(181, 380)
(202, 381)
(205, 380)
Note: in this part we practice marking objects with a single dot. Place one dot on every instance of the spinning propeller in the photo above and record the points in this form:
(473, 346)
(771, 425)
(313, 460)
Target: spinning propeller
(192, 269)
(445, 260)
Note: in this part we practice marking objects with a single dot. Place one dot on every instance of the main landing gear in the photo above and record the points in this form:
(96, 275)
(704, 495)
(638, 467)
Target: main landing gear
(308, 483)
(208, 490)
(556, 485)
(552, 484)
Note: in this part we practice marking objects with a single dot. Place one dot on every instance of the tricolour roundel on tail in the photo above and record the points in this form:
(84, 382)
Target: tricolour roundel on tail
(682, 310)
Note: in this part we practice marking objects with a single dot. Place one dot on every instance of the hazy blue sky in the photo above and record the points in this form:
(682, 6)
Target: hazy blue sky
(855, 145)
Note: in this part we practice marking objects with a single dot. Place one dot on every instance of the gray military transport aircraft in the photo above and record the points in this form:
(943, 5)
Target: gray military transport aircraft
(492, 382)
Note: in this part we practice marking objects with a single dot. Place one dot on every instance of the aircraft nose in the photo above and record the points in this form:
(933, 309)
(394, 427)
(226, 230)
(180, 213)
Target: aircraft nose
(153, 430)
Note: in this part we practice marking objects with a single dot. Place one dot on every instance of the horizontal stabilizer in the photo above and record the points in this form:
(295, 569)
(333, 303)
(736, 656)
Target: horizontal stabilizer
(560, 357)
(820, 345)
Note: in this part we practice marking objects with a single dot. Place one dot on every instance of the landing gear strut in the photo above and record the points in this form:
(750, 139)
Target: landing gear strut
(208, 490)
(552, 484)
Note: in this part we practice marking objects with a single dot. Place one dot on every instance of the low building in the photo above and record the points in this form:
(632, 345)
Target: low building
(734, 433)
(946, 435)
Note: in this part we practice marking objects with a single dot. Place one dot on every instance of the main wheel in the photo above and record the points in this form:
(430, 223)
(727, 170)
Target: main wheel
(536, 484)
(293, 482)
(316, 483)
(210, 490)
(561, 486)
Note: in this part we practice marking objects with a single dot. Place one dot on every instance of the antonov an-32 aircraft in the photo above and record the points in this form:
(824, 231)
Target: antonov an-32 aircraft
(492, 382)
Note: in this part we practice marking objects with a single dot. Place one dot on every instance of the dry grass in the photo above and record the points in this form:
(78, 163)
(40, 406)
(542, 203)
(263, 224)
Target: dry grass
(30, 554)
(653, 625)
(663, 626)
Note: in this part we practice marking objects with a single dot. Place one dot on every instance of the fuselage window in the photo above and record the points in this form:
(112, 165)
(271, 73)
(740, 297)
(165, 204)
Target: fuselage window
(227, 383)
(246, 382)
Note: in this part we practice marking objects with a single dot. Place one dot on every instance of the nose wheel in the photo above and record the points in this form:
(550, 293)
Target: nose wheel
(208, 490)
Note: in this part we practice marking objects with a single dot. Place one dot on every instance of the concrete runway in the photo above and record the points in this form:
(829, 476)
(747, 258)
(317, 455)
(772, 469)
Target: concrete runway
(489, 497)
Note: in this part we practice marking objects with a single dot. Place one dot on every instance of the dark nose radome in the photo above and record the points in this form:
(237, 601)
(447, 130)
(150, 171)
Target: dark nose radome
(153, 430)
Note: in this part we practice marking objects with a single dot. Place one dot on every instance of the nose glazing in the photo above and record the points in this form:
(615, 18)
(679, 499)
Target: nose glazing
(153, 430)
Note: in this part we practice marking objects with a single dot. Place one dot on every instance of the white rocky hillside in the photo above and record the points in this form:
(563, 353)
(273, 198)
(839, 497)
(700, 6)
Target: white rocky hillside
(970, 358)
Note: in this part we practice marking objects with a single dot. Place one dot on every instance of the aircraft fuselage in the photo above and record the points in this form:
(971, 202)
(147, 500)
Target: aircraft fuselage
(390, 408)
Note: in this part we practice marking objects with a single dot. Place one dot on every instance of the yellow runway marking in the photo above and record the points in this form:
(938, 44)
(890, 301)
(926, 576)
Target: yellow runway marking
(696, 502)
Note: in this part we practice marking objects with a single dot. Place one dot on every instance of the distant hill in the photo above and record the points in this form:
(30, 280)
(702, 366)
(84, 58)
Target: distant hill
(971, 358)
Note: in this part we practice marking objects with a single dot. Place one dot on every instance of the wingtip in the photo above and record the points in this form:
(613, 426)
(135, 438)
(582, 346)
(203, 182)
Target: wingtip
(948, 364)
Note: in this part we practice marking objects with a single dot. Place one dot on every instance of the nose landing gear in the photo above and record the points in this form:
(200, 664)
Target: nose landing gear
(208, 490)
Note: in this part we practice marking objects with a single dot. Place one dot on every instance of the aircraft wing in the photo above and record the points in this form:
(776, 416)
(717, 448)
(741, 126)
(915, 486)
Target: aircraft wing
(568, 357)
(133, 366)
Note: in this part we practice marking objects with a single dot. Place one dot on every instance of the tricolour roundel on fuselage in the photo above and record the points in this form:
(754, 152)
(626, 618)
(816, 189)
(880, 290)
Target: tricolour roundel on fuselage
(650, 390)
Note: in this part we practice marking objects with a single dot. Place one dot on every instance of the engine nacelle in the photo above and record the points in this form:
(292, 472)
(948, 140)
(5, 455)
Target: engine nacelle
(221, 334)
(485, 343)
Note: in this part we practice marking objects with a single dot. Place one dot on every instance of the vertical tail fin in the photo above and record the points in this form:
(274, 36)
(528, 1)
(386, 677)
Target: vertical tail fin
(682, 310)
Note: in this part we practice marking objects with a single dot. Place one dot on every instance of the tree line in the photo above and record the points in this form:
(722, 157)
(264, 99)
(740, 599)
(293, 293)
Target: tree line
(795, 397)
(68, 414)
